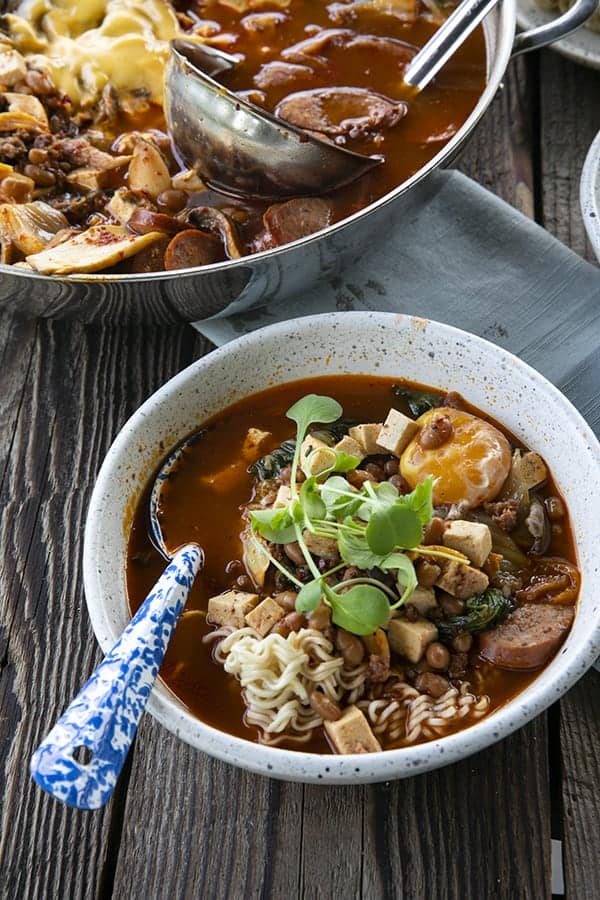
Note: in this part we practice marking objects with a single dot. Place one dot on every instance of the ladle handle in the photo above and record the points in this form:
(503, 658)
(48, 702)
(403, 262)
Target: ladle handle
(81, 758)
(446, 40)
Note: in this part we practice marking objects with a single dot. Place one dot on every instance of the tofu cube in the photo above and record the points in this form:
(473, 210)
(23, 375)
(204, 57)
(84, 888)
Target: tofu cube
(230, 608)
(474, 539)
(367, 435)
(322, 459)
(284, 495)
(352, 733)
(397, 431)
(423, 599)
(462, 581)
(265, 615)
(256, 562)
(411, 639)
(252, 443)
(325, 547)
(351, 447)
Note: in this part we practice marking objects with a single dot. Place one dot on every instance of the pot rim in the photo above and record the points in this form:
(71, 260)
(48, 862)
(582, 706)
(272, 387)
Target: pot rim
(505, 14)
(310, 767)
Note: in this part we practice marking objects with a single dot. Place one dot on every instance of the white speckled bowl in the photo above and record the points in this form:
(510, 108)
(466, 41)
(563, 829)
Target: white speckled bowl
(382, 344)
(590, 193)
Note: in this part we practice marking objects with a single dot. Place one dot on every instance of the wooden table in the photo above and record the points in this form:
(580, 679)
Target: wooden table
(181, 824)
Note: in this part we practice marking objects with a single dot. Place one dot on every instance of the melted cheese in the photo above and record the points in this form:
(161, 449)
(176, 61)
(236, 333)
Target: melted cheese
(85, 44)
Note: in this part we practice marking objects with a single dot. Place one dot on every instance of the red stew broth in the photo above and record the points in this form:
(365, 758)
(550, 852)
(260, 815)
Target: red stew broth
(203, 503)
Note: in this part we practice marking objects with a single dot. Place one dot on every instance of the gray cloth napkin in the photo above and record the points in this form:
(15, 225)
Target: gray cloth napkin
(473, 261)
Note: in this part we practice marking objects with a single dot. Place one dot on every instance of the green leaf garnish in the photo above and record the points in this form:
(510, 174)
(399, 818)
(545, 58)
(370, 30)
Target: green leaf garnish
(313, 408)
(421, 500)
(309, 596)
(355, 550)
(406, 576)
(275, 525)
(340, 498)
(311, 502)
(361, 610)
(393, 526)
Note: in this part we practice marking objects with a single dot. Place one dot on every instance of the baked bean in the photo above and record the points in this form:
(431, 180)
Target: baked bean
(320, 618)
(328, 709)
(452, 606)
(377, 644)
(43, 177)
(293, 552)
(172, 199)
(294, 621)
(17, 188)
(411, 611)
(554, 508)
(434, 531)
(427, 572)
(244, 583)
(462, 643)
(391, 467)
(350, 647)
(285, 475)
(358, 477)
(300, 476)
(437, 655)
(399, 483)
(436, 433)
(376, 471)
(434, 685)
(38, 156)
(287, 600)
(350, 572)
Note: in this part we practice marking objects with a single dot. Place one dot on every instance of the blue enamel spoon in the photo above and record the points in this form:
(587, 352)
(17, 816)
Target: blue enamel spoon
(81, 758)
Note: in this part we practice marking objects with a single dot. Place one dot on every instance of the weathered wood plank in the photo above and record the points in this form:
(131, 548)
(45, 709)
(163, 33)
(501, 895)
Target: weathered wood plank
(580, 739)
(499, 155)
(65, 397)
(569, 121)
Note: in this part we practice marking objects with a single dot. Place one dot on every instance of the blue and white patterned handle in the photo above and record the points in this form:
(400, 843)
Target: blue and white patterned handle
(104, 717)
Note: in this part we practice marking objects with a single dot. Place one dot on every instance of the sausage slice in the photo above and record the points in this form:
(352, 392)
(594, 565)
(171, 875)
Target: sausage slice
(528, 637)
(192, 248)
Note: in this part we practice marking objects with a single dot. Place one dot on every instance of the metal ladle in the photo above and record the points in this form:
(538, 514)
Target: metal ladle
(81, 758)
(240, 148)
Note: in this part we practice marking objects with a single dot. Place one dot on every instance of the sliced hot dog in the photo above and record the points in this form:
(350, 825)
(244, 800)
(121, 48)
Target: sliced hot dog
(528, 637)
(193, 248)
(145, 220)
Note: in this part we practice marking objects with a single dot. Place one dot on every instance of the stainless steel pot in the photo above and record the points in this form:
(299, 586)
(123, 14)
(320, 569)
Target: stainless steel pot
(238, 285)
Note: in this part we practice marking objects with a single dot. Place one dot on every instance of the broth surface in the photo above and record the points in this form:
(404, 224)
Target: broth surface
(204, 503)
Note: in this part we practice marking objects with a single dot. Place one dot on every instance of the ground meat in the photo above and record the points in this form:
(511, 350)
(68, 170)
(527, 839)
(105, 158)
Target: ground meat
(13, 149)
(280, 74)
(77, 208)
(341, 111)
(503, 512)
(294, 219)
(458, 665)
(379, 668)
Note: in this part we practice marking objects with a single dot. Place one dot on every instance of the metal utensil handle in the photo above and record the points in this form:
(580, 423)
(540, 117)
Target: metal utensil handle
(102, 720)
(438, 50)
(559, 28)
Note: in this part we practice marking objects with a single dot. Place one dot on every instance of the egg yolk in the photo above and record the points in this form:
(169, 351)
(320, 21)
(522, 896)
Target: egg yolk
(471, 465)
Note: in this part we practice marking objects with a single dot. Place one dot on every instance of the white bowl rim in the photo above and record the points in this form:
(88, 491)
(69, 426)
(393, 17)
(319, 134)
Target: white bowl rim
(295, 765)
(589, 193)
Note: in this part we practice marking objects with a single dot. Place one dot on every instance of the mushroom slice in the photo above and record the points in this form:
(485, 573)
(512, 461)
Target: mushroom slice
(124, 202)
(97, 248)
(12, 65)
(28, 227)
(29, 106)
(216, 222)
(148, 170)
(188, 180)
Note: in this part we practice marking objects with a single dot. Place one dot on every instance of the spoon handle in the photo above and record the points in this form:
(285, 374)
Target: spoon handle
(81, 758)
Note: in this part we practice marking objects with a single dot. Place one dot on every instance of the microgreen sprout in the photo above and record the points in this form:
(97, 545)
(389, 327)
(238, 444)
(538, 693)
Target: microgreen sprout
(375, 527)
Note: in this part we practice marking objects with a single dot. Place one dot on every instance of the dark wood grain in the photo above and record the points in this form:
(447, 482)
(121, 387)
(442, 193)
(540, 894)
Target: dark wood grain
(569, 121)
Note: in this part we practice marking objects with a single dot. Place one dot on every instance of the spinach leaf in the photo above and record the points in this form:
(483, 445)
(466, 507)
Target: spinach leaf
(271, 465)
(419, 402)
(482, 611)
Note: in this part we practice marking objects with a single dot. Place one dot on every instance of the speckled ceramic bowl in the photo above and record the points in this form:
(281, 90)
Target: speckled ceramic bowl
(590, 193)
(382, 344)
